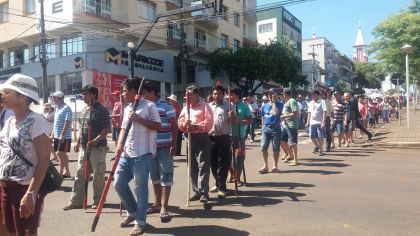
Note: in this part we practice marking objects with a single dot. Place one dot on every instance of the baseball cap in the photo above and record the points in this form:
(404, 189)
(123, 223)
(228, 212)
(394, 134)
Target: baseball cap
(58, 94)
(22, 84)
(272, 90)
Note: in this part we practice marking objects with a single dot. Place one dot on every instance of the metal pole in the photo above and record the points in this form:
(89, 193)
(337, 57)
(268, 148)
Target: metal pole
(45, 91)
(407, 92)
(132, 56)
(398, 100)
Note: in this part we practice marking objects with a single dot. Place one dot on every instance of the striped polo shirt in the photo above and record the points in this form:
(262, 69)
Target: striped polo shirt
(339, 111)
(166, 112)
(62, 114)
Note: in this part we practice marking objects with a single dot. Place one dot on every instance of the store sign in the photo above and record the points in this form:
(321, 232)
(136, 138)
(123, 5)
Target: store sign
(58, 13)
(116, 57)
(7, 73)
(289, 18)
(78, 63)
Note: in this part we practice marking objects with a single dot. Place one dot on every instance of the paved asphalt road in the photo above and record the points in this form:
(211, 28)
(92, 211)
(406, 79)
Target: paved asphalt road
(354, 191)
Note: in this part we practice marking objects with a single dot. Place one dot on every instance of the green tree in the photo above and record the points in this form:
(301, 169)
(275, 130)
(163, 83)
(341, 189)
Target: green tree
(394, 32)
(288, 64)
(243, 67)
(368, 75)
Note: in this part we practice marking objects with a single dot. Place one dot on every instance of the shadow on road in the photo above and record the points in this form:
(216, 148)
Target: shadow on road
(321, 172)
(207, 214)
(202, 230)
(320, 160)
(350, 154)
(288, 185)
(341, 165)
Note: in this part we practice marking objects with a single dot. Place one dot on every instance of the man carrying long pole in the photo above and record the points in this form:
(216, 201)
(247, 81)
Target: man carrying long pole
(241, 117)
(137, 150)
(199, 124)
(100, 127)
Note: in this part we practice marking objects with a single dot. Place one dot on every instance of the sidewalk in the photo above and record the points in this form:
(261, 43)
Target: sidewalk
(394, 135)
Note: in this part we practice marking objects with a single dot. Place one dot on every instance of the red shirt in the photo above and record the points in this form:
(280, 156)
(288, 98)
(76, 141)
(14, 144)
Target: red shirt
(117, 120)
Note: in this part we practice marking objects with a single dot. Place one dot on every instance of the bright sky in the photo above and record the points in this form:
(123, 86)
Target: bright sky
(337, 20)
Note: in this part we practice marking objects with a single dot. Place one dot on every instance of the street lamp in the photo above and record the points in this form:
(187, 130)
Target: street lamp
(131, 52)
(407, 49)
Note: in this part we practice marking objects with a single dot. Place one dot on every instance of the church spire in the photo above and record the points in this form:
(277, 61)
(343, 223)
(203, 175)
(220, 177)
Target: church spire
(359, 47)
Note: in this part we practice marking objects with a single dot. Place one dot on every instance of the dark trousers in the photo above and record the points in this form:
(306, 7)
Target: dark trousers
(328, 131)
(179, 143)
(200, 163)
(250, 129)
(361, 127)
(220, 159)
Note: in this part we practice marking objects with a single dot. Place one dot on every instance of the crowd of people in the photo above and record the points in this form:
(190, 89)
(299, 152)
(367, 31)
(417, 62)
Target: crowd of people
(218, 129)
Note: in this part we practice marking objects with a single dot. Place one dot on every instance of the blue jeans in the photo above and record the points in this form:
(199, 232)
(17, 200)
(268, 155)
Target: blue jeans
(162, 167)
(385, 116)
(137, 168)
(328, 131)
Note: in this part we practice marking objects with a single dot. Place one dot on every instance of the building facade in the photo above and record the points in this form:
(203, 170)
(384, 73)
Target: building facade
(276, 23)
(333, 65)
(359, 47)
(87, 42)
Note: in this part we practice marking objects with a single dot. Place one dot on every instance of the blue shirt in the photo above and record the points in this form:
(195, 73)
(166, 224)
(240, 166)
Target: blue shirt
(62, 114)
(166, 112)
(269, 118)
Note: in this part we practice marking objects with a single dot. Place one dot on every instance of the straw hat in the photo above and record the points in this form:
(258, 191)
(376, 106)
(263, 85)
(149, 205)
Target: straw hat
(264, 98)
(173, 98)
(22, 84)
(47, 105)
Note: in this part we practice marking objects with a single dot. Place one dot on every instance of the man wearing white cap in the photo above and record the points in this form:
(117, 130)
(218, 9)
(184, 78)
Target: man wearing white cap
(61, 135)
(173, 100)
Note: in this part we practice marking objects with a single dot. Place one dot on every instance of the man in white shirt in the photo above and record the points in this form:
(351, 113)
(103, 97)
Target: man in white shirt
(317, 112)
(139, 147)
(253, 106)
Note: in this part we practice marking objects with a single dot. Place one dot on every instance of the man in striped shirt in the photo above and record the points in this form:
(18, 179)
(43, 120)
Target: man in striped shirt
(162, 164)
(339, 117)
(61, 135)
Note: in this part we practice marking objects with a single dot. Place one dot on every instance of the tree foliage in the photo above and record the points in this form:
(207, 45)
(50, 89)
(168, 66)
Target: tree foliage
(274, 62)
(394, 32)
(368, 75)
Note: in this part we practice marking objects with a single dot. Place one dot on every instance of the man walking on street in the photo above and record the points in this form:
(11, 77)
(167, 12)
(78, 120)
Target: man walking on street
(330, 115)
(355, 108)
(162, 164)
(253, 107)
(61, 135)
(339, 117)
(316, 122)
(137, 151)
(303, 107)
(173, 100)
(240, 117)
(220, 153)
(100, 124)
(199, 125)
(271, 130)
(289, 127)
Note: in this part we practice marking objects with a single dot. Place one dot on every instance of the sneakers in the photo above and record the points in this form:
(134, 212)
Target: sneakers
(214, 189)
(221, 194)
(316, 149)
(204, 198)
(94, 206)
(195, 197)
(370, 136)
(71, 207)
(321, 153)
(252, 141)
(328, 150)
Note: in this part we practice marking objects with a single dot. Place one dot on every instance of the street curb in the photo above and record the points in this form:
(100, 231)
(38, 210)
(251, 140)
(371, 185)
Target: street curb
(394, 145)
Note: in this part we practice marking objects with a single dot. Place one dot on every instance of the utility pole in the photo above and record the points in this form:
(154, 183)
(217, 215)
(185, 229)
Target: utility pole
(182, 52)
(398, 100)
(313, 54)
(43, 55)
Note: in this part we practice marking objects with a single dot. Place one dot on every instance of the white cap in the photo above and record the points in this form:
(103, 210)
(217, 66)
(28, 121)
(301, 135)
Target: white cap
(58, 94)
(22, 84)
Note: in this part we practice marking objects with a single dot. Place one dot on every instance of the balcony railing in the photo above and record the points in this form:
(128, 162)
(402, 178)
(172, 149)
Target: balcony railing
(200, 43)
(101, 9)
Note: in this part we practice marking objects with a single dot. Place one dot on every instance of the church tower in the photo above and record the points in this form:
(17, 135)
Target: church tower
(359, 47)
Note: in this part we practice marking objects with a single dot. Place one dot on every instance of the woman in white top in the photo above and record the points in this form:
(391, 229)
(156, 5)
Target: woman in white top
(24, 135)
